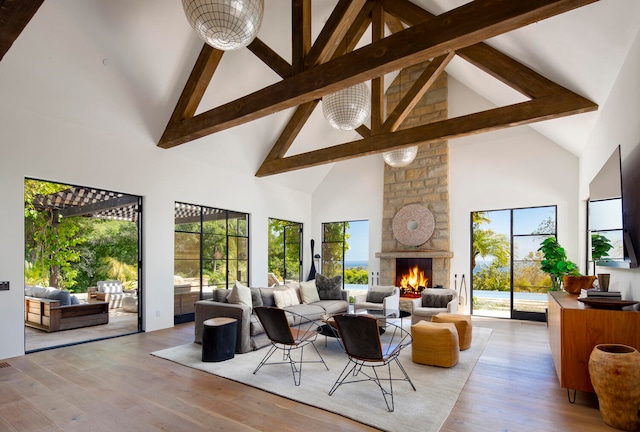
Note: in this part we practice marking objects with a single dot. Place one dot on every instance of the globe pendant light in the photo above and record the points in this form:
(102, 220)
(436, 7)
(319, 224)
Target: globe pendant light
(401, 157)
(225, 24)
(349, 108)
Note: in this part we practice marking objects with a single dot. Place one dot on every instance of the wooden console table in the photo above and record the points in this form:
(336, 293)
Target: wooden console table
(575, 329)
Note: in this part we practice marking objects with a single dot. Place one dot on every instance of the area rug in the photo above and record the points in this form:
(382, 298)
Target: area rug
(426, 409)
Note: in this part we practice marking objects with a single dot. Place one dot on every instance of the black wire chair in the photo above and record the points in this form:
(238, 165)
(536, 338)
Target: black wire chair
(288, 331)
(360, 337)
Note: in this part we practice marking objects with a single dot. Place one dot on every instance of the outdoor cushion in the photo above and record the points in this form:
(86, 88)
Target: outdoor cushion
(110, 286)
(62, 296)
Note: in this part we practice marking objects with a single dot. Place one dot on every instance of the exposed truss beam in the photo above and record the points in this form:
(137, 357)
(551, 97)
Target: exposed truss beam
(514, 115)
(14, 17)
(300, 33)
(271, 58)
(453, 30)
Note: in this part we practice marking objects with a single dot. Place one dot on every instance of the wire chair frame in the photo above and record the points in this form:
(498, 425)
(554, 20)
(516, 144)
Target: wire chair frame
(288, 332)
(361, 340)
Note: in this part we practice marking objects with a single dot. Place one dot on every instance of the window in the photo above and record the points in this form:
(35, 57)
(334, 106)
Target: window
(506, 276)
(285, 251)
(605, 218)
(211, 250)
(345, 251)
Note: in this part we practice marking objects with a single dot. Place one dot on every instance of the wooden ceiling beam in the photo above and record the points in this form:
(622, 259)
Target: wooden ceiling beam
(14, 17)
(417, 90)
(292, 129)
(394, 24)
(377, 84)
(545, 108)
(300, 33)
(453, 30)
(333, 32)
(271, 58)
(201, 74)
(355, 32)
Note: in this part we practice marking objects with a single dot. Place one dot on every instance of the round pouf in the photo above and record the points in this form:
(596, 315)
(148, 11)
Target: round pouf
(462, 323)
(435, 344)
(615, 375)
(130, 304)
(219, 339)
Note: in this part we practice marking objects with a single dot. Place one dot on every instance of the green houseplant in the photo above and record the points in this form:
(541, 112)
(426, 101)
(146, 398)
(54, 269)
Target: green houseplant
(555, 262)
(600, 246)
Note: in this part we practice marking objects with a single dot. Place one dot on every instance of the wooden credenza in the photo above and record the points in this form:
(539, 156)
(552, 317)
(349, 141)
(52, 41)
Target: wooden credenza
(575, 329)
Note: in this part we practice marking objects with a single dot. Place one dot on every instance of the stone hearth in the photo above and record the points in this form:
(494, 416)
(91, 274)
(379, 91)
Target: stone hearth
(425, 181)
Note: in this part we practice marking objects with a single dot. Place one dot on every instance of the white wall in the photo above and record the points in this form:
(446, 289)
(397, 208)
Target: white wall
(511, 168)
(618, 124)
(352, 191)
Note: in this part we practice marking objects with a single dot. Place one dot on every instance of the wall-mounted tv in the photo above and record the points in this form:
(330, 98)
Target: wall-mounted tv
(614, 208)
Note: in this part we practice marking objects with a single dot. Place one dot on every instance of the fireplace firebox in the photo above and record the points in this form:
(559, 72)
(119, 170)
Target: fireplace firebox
(412, 275)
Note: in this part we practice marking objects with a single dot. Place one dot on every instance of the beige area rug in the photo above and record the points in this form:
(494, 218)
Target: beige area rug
(426, 409)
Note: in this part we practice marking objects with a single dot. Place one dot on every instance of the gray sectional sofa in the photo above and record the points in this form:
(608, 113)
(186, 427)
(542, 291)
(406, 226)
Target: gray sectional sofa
(250, 334)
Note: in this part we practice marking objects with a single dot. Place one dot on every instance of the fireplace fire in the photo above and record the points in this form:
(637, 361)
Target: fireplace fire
(413, 275)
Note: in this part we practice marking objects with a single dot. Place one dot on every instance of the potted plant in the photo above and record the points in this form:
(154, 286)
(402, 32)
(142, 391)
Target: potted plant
(559, 268)
(600, 246)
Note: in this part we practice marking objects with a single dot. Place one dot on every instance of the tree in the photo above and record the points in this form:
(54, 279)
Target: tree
(335, 243)
(50, 239)
(488, 243)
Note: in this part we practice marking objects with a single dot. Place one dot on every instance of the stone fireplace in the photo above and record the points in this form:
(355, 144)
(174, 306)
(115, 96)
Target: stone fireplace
(425, 182)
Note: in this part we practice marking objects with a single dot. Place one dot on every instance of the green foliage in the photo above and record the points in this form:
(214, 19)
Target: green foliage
(284, 258)
(118, 270)
(335, 245)
(50, 239)
(494, 277)
(600, 246)
(555, 262)
(488, 243)
(356, 275)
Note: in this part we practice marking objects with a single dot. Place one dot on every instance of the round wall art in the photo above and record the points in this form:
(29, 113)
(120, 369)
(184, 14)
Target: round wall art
(413, 225)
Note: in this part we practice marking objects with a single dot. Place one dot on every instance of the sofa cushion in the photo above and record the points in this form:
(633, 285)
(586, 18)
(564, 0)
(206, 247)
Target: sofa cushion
(311, 312)
(329, 288)
(436, 300)
(220, 295)
(240, 294)
(284, 298)
(377, 294)
(309, 292)
(333, 306)
(75, 300)
(256, 298)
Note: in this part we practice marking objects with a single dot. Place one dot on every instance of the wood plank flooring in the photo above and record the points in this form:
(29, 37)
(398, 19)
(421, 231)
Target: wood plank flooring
(116, 385)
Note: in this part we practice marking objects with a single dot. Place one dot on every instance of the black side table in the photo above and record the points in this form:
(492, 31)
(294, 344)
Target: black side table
(219, 339)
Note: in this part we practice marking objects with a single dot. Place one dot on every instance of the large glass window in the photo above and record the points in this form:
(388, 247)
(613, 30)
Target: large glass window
(345, 251)
(285, 251)
(211, 250)
(506, 276)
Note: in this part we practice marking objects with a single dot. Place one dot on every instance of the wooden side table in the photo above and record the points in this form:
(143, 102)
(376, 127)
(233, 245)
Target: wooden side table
(219, 339)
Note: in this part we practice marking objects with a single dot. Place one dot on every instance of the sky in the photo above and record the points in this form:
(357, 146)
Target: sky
(358, 242)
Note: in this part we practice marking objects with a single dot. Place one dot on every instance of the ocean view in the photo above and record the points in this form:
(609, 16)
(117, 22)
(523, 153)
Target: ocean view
(355, 264)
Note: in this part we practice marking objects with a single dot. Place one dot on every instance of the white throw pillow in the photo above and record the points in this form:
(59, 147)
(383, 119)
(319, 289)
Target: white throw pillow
(240, 294)
(284, 298)
(309, 292)
(110, 286)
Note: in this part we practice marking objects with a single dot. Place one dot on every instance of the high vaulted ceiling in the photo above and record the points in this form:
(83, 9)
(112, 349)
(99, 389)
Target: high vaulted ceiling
(154, 51)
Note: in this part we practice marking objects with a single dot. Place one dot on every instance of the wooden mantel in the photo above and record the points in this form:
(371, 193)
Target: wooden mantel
(415, 254)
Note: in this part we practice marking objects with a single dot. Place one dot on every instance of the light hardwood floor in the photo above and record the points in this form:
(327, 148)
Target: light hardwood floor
(116, 385)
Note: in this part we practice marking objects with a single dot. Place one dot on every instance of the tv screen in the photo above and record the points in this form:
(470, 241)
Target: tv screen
(631, 204)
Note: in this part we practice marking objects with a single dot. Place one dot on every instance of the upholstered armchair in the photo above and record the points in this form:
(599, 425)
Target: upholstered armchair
(433, 301)
(378, 298)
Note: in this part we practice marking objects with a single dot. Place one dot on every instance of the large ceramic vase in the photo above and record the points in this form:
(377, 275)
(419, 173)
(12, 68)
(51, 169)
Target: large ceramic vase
(574, 284)
(615, 375)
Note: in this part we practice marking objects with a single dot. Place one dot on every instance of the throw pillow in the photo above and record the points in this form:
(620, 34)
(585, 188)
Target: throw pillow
(240, 294)
(436, 300)
(309, 292)
(256, 298)
(377, 293)
(110, 286)
(63, 296)
(75, 300)
(329, 288)
(284, 298)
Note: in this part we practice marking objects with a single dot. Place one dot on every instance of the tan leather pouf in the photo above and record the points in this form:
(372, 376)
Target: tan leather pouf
(435, 344)
(463, 324)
